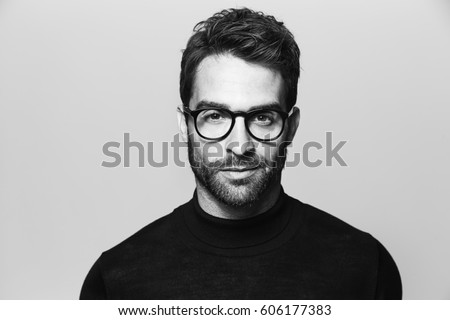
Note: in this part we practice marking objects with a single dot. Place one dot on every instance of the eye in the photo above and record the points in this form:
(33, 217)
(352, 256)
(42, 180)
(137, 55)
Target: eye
(213, 116)
(263, 119)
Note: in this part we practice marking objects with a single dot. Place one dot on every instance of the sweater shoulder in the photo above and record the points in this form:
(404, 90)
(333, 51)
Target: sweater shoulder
(320, 224)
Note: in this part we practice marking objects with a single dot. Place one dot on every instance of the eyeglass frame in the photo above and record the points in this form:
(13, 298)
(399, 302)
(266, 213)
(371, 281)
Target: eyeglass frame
(246, 115)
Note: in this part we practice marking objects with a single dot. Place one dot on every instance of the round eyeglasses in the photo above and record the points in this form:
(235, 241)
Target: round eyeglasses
(217, 123)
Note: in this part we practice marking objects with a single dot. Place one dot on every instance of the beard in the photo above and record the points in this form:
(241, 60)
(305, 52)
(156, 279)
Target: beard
(237, 193)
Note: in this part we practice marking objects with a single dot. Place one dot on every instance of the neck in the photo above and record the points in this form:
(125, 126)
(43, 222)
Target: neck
(216, 208)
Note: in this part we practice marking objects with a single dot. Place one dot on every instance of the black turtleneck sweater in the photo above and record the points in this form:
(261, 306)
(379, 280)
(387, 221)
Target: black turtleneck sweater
(292, 251)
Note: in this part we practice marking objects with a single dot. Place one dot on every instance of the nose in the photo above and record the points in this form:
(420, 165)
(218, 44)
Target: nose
(239, 140)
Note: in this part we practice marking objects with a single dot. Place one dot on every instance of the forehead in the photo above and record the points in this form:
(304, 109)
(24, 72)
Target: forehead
(231, 81)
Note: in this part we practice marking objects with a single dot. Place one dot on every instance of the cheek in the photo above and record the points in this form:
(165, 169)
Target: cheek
(210, 151)
(213, 151)
(268, 151)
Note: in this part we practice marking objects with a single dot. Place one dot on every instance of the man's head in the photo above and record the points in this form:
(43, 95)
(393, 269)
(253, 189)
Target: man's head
(246, 34)
(239, 61)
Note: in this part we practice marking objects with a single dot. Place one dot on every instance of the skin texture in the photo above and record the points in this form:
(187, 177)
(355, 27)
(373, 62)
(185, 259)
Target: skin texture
(248, 180)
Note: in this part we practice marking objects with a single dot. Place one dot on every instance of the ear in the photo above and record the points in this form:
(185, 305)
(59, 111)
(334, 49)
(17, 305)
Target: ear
(182, 125)
(293, 122)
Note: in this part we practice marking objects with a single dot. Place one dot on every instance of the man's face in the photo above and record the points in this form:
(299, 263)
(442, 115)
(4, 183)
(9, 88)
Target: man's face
(238, 169)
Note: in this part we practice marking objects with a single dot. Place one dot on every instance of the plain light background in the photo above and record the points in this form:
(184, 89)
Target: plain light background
(77, 74)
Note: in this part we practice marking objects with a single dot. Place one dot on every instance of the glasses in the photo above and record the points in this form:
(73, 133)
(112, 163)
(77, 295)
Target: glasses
(217, 123)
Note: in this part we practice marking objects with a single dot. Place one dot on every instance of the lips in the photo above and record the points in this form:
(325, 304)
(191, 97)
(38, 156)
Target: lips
(238, 169)
(238, 172)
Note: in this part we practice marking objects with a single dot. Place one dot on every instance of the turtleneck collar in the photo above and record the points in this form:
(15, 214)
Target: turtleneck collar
(220, 233)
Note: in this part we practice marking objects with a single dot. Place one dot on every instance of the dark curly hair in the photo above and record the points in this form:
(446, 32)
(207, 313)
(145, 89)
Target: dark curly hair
(246, 34)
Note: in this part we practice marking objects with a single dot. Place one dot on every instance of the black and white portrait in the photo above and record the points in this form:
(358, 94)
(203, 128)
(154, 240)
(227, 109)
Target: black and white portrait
(224, 150)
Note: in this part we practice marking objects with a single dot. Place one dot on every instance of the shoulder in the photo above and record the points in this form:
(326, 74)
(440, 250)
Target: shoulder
(323, 234)
(354, 253)
(318, 223)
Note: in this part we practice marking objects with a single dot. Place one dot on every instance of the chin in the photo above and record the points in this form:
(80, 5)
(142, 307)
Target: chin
(239, 192)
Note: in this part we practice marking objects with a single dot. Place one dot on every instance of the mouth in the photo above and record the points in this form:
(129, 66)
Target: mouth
(238, 169)
(234, 173)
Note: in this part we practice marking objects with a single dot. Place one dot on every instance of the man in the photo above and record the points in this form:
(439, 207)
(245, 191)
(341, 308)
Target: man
(241, 236)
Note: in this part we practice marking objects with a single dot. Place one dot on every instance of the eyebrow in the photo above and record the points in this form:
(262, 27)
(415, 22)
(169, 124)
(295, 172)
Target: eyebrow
(210, 104)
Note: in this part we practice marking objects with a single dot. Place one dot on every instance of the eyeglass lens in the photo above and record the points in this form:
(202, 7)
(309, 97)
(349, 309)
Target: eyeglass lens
(263, 124)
